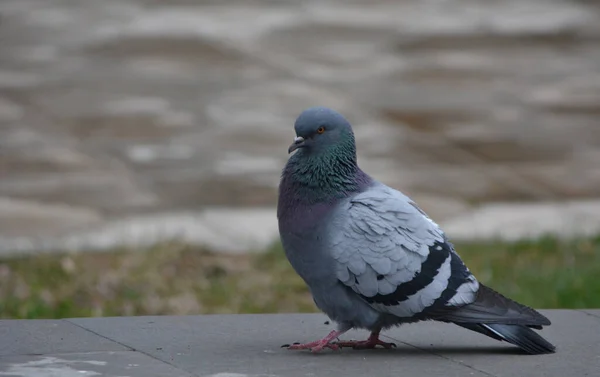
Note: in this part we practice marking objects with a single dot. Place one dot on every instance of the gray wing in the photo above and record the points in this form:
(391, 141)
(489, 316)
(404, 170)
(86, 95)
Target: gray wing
(395, 257)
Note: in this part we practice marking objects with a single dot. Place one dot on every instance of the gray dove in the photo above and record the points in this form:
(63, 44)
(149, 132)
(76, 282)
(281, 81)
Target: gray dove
(371, 257)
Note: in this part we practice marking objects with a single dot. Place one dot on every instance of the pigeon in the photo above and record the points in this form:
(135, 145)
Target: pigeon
(371, 258)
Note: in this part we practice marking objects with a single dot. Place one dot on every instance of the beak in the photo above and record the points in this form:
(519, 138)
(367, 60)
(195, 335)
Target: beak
(298, 143)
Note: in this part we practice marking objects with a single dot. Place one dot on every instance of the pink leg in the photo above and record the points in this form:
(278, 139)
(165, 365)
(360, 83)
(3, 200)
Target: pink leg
(372, 342)
(318, 345)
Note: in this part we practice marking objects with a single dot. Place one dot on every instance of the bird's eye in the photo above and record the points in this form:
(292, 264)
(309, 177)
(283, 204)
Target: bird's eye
(320, 130)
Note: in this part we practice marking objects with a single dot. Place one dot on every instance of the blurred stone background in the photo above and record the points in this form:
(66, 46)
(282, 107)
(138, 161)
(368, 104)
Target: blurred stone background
(128, 121)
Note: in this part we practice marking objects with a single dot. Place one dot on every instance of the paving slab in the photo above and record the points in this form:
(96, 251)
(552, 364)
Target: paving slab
(221, 345)
(26, 337)
(250, 345)
(127, 363)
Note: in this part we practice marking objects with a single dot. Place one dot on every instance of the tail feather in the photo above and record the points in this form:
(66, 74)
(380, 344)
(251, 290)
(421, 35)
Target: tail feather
(501, 318)
(480, 329)
(522, 337)
(492, 307)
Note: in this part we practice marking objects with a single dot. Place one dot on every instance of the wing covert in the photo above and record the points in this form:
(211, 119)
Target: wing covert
(391, 254)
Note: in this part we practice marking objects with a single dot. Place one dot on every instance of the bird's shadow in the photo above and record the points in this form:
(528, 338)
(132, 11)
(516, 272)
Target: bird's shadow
(407, 350)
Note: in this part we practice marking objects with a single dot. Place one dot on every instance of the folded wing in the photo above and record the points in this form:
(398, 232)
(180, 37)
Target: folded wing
(396, 258)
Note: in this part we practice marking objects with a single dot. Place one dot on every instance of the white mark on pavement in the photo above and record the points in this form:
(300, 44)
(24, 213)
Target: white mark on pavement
(51, 367)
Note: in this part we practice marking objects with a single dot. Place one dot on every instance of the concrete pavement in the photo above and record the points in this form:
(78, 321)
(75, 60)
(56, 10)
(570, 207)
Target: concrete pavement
(249, 345)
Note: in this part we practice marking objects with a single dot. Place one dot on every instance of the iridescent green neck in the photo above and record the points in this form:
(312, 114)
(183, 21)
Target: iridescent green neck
(323, 176)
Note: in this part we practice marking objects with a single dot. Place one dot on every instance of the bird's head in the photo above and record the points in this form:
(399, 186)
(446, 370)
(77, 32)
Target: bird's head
(321, 130)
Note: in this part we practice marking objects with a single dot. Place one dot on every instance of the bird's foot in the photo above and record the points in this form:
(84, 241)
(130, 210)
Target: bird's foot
(370, 343)
(317, 345)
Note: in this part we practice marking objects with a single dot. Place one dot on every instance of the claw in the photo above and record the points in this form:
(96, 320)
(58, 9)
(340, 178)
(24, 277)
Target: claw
(318, 345)
(370, 343)
(326, 342)
(314, 347)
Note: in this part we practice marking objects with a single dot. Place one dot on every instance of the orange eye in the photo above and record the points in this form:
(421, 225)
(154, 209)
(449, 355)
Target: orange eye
(320, 130)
